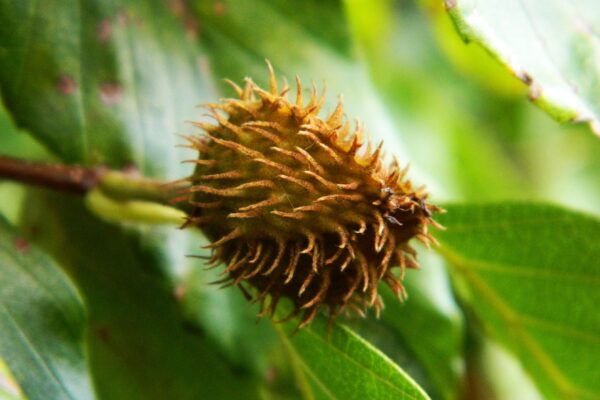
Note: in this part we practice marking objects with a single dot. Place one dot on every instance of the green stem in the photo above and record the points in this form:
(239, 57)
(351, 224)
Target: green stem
(124, 186)
(136, 211)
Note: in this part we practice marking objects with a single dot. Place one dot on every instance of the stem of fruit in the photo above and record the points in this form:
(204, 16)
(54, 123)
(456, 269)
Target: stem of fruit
(113, 195)
(63, 178)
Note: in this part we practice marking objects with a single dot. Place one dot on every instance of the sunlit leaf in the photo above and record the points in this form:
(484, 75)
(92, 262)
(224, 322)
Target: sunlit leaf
(549, 45)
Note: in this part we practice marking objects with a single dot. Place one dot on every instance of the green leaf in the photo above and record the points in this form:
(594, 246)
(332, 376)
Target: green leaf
(531, 272)
(103, 82)
(550, 45)
(336, 363)
(42, 321)
(138, 343)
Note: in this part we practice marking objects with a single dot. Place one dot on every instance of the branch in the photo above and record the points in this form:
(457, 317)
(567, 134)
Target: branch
(63, 178)
(113, 195)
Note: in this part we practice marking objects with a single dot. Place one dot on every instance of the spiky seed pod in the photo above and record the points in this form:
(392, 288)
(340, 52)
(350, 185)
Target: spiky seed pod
(296, 207)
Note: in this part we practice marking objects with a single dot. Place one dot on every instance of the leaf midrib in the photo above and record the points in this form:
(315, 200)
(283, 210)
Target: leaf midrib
(364, 367)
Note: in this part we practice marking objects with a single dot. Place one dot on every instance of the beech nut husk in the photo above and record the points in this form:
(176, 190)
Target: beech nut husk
(299, 206)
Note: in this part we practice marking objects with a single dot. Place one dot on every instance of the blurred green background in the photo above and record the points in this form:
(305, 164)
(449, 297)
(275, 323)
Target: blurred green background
(449, 109)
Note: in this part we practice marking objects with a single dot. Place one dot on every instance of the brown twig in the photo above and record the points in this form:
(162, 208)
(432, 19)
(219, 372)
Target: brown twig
(73, 179)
